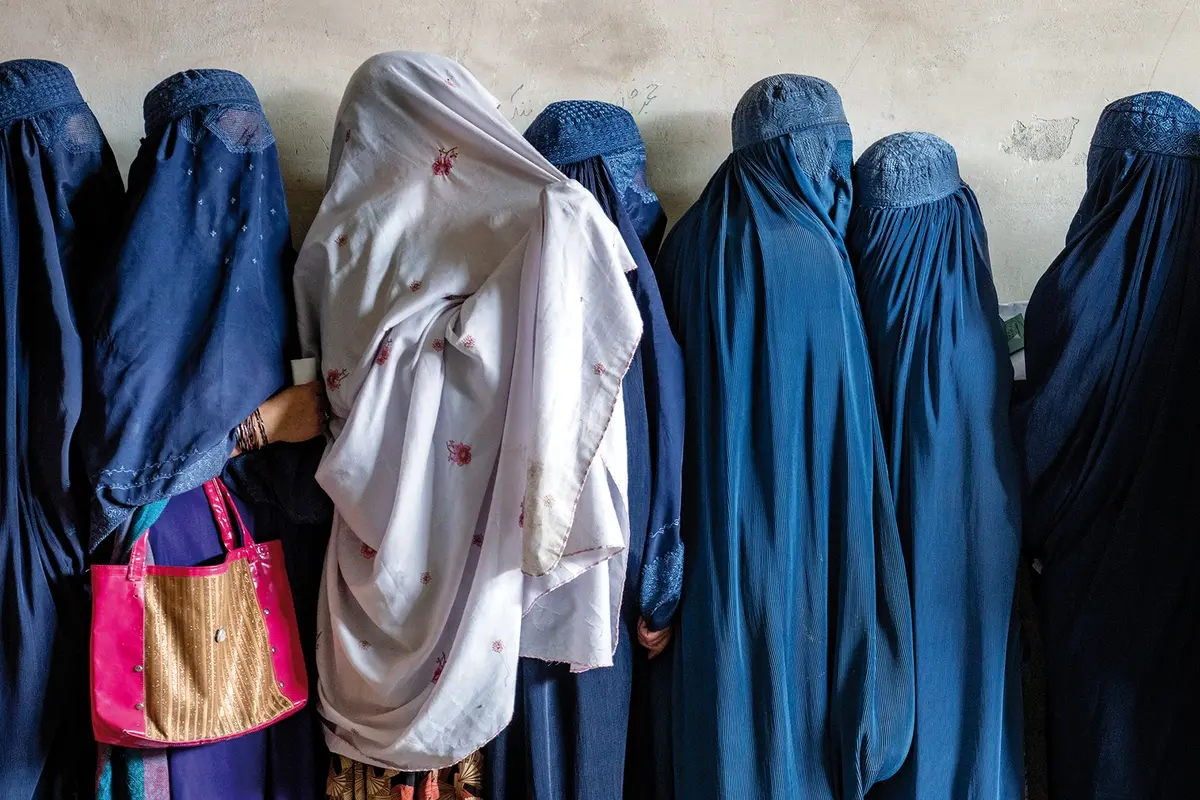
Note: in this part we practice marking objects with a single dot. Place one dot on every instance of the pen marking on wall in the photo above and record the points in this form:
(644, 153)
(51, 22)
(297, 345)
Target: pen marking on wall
(520, 107)
(639, 98)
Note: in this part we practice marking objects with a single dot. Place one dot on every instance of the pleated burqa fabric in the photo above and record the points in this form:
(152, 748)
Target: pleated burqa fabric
(606, 733)
(794, 660)
(1111, 446)
(59, 194)
(192, 314)
(942, 382)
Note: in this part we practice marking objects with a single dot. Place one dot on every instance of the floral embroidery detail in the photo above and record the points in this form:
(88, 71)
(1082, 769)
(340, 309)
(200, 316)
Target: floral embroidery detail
(334, 378)
(341, 240)
(438, 345)
(450, 82)
(497, 646)
(445, 161)
(426, 578)
(598, 368)
(468, 342)
(477, 540)
(415, 286)
(364, 644)
(548, 501)
(367, 551)
(385, 350)
(521, 519)
(441, 665)
(460, 454)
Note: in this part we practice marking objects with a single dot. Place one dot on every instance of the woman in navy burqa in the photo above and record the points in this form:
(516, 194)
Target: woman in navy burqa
(191, 329)
(606, 733)
(794, 672)
(943, 381)
(59, 204)
(1111, 447)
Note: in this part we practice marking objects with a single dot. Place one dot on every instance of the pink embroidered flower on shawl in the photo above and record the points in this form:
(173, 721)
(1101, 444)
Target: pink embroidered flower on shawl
(460, 454)
(334, 378)
(599, 369)
(441, 665)
(385, 350)
(426, 578)
(438, 345)
(497, 646)
(468, 341)
(445, 161)
(415, 286)
(366, 551)
(342, 240)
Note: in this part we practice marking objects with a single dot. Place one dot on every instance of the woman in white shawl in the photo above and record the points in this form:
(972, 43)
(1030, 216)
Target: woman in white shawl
(469, 309)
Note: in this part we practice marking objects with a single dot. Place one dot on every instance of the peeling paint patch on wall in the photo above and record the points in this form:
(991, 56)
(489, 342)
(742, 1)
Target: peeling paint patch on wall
(1040, 140)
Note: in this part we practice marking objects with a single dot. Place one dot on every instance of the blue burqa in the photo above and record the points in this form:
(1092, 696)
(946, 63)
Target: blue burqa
(191, 316)
(1111, 446)
(191, 324)
(60, 193)
(606, 733)
(794, 661)
(942, 381)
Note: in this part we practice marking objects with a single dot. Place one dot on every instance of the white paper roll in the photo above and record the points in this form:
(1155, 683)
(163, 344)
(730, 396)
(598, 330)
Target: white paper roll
(304, 370)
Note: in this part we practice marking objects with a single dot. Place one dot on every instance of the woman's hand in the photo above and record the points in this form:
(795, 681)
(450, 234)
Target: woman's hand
(296, 414)
(654, 641)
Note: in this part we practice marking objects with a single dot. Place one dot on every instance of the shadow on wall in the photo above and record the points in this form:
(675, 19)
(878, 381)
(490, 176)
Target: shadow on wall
(303, 154)
(683, 150)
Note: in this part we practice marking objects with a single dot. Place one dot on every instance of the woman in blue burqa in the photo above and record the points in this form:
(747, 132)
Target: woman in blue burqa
(794, 673)
(943, 381)
(1111, 447)
(60, 197)
(190, 326)
(606, 733)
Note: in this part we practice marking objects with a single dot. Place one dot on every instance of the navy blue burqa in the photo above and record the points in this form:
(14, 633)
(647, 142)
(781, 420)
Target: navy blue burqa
(1111, 446)
(794, 659)
(60, 193)
(943, 381)
(191, 324)
(606, 733)
(192, 315)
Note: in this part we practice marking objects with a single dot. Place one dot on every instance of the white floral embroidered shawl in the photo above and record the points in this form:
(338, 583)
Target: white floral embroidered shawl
(469, 308)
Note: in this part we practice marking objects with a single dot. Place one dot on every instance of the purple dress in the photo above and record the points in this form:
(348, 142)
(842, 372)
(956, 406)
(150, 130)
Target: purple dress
(284, 761)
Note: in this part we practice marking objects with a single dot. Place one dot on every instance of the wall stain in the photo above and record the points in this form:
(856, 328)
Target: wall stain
(1040, 140)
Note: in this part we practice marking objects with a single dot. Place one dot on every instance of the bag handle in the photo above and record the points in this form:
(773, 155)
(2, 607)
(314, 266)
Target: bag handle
(219, 502)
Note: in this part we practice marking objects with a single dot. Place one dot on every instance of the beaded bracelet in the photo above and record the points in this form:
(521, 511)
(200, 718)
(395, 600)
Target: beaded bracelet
(251, 433)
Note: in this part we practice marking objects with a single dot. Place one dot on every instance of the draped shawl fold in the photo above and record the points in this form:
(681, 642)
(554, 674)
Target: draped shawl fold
(794, 660)
(473, 322)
